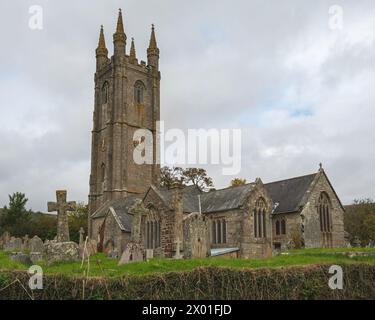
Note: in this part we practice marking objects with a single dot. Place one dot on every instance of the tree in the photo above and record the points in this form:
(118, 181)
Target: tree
(171, 176)
(184, 177)
(237, 182)
(15, 218)
(197, 177)
(77, 220)
(359, 221)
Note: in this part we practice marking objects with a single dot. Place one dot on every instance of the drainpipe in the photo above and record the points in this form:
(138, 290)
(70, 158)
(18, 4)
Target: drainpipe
(271, 225)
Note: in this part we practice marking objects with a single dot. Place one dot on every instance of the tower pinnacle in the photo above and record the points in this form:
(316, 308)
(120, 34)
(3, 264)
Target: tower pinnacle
(101, 51)
(132, 56)
(153, 50)
(119, 37)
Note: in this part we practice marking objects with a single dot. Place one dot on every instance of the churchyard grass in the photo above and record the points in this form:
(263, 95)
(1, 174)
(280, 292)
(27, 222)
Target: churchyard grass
(101, 266)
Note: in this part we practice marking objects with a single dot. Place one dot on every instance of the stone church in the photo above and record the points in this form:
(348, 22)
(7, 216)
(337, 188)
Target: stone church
(245, 221)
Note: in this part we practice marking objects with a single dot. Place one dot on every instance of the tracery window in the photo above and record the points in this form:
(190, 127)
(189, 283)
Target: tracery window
(277, 227)
(324, 213)
(283, 227)
(260, 218)
(152, 234)
(219, 231)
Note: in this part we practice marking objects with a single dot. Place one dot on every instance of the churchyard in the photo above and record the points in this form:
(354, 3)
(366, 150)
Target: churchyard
(77, 270)
(65, 257)
(99, 265)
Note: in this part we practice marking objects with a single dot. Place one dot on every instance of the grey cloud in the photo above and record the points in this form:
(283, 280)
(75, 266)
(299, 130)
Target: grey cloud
(224, 64)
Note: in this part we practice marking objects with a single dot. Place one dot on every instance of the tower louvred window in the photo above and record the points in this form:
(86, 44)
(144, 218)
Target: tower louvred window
(139, 92)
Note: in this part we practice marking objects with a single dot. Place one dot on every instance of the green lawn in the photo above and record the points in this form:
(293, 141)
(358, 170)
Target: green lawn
(100, 265)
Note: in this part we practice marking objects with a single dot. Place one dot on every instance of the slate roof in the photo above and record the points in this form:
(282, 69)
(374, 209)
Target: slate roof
(225, 199)
(120, 211)
(290, 193)
(189, 197)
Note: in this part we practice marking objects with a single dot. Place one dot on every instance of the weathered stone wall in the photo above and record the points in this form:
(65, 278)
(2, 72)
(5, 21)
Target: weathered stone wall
(233, 224)
(250, 245)
(114, 123)
(240, 226)
(312, 235)
(292, 223)
(196, 237)
(95, 225)
(112, 232)
(167, 222)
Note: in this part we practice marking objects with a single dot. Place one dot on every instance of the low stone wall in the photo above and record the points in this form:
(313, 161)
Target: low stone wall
(310, 282)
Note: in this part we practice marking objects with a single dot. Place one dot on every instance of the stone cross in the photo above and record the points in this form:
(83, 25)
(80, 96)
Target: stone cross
(177, 254)
(81, 233)
(137, 210)
(61, 206)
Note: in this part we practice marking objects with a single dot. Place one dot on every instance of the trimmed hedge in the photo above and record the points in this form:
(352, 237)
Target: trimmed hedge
(309, 282)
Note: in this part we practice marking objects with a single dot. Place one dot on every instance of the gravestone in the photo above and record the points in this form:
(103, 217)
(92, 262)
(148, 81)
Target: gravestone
(62, 207)
(196, 239)
(36, 256)
(113, 254)
(81, 237)
(178, 254)
(4, 240)
(61, 251)
(134, 250)
(21, 257)
(36, 244)
(14, 244)
(26, 243)
(149, 254)
(89, 247)
(356, 242)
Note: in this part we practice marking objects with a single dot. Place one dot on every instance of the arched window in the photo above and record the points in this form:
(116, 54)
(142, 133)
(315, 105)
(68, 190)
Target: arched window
(218, 231)
(213, 232)
(105, 93)
(152, 234)
(260, 219)
(324, 213)
(277, 227)
(283, 227)
(224, 229)
(138, 92)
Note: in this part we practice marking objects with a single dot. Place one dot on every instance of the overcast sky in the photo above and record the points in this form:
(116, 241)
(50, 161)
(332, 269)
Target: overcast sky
(301, 90)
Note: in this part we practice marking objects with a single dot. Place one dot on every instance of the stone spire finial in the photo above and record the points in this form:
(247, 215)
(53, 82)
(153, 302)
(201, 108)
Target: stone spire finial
(153, 44)
(321, 166)
(120, 25)
(119, 37)
(153, 50)
(132, 56)
(101, 50)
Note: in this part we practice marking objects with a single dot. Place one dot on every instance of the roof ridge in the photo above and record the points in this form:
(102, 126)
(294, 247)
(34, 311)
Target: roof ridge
(293, 178)
(231, 187)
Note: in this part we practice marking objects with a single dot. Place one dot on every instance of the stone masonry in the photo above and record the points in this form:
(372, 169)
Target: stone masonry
(127, 98)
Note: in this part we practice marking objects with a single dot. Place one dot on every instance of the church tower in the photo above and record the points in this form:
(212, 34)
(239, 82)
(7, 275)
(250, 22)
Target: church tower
(127, 98)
